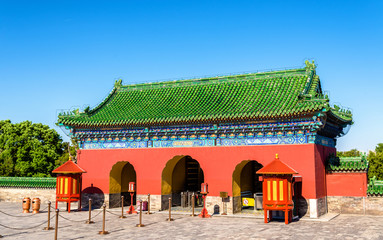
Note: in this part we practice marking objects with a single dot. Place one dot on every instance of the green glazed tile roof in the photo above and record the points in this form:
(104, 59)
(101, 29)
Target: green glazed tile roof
(375, 187)
(27, 182)
(246, 97)
(336, 164)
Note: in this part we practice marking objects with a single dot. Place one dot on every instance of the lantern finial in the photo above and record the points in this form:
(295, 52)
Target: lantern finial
(276, 155)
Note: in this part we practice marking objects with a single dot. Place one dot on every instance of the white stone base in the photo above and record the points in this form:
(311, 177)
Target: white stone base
(212, 202)
(155, 201)
(317, 207)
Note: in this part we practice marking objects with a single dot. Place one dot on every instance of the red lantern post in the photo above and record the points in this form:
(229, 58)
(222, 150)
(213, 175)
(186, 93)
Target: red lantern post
(68, 186)
(131, 190)
(277, 189)
(204, 192)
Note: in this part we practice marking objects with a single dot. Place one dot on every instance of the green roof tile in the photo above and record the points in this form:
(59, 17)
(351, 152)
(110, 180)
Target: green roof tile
(259, 96)
(375, 187)
(343, 164)
(27, 182)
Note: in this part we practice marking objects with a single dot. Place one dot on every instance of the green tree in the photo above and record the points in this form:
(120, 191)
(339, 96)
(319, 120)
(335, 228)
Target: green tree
(27, 149)
(376, 162)
(352, 153)
(72, 147)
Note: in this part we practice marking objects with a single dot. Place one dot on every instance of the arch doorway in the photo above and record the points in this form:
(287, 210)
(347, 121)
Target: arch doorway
(245, 184)
(181, 175)
(121, 174)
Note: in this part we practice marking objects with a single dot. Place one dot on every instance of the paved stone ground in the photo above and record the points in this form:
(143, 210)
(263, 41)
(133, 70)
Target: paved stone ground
(184, 226)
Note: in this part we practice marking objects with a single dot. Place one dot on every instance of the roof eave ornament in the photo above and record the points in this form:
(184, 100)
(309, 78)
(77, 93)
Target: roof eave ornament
(118, 83)
(310, 66)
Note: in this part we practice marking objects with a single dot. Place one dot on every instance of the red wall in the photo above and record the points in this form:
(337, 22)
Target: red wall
(347, 184)
(218, 164)
(321, 154)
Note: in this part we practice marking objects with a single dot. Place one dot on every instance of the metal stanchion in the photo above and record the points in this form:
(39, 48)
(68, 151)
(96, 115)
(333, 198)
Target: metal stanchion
(48, 227)
(56, 223)
(193, 205)
(122, 207)
(103, 232)
(140, 224)
(224, 208)
(89, 221)
(148, 212)
(170, 211)
(224, 196)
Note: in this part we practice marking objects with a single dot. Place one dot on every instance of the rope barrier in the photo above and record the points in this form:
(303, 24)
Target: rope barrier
(70, 220)
(96, 215)
(113, 213)
(115, 205)
(57, 215)
(27, 228)
(29, 215)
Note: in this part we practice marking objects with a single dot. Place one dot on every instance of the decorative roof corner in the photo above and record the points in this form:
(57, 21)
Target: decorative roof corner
(342, 113)
(118, 83)
(310, 66)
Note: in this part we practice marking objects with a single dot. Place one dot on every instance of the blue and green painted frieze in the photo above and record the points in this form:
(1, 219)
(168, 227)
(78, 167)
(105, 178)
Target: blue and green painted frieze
(298, 132)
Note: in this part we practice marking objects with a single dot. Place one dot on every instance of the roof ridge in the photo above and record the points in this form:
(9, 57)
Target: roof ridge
(117, 85)
(223, 78)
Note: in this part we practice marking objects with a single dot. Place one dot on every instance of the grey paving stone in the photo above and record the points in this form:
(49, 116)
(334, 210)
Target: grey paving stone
(184, 227)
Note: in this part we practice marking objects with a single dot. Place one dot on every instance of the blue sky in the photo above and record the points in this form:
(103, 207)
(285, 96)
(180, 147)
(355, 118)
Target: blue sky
(61, 54)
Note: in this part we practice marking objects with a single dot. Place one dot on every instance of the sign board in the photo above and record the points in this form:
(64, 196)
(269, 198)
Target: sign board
(223, 194)
(248, 202)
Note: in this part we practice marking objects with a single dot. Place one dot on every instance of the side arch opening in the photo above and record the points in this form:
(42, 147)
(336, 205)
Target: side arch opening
(245, 184)
(120, 175)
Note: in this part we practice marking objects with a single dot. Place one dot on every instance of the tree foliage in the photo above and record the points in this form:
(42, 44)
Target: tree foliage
(68, 147)
(351, 153)
(376, 162)
(28, 149)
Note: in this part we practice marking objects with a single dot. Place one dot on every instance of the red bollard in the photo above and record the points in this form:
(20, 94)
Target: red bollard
(131, 190)
(131, 208)
(204, 192)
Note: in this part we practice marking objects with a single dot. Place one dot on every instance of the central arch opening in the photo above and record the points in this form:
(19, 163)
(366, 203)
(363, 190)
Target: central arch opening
(181, 177)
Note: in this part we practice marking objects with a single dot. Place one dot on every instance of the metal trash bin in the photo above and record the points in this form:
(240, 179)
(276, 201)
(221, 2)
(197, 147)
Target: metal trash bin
(145, 206)
(183, 199)
(258, 199)
(189, 198)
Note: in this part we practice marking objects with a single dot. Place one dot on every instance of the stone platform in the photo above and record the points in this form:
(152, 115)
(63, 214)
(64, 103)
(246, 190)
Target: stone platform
(241, 226)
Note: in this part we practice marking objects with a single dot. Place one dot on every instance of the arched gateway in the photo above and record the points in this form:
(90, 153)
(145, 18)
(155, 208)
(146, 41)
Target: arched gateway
(218, 122)
(121, 174)
(246, 184)
(181, 177)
